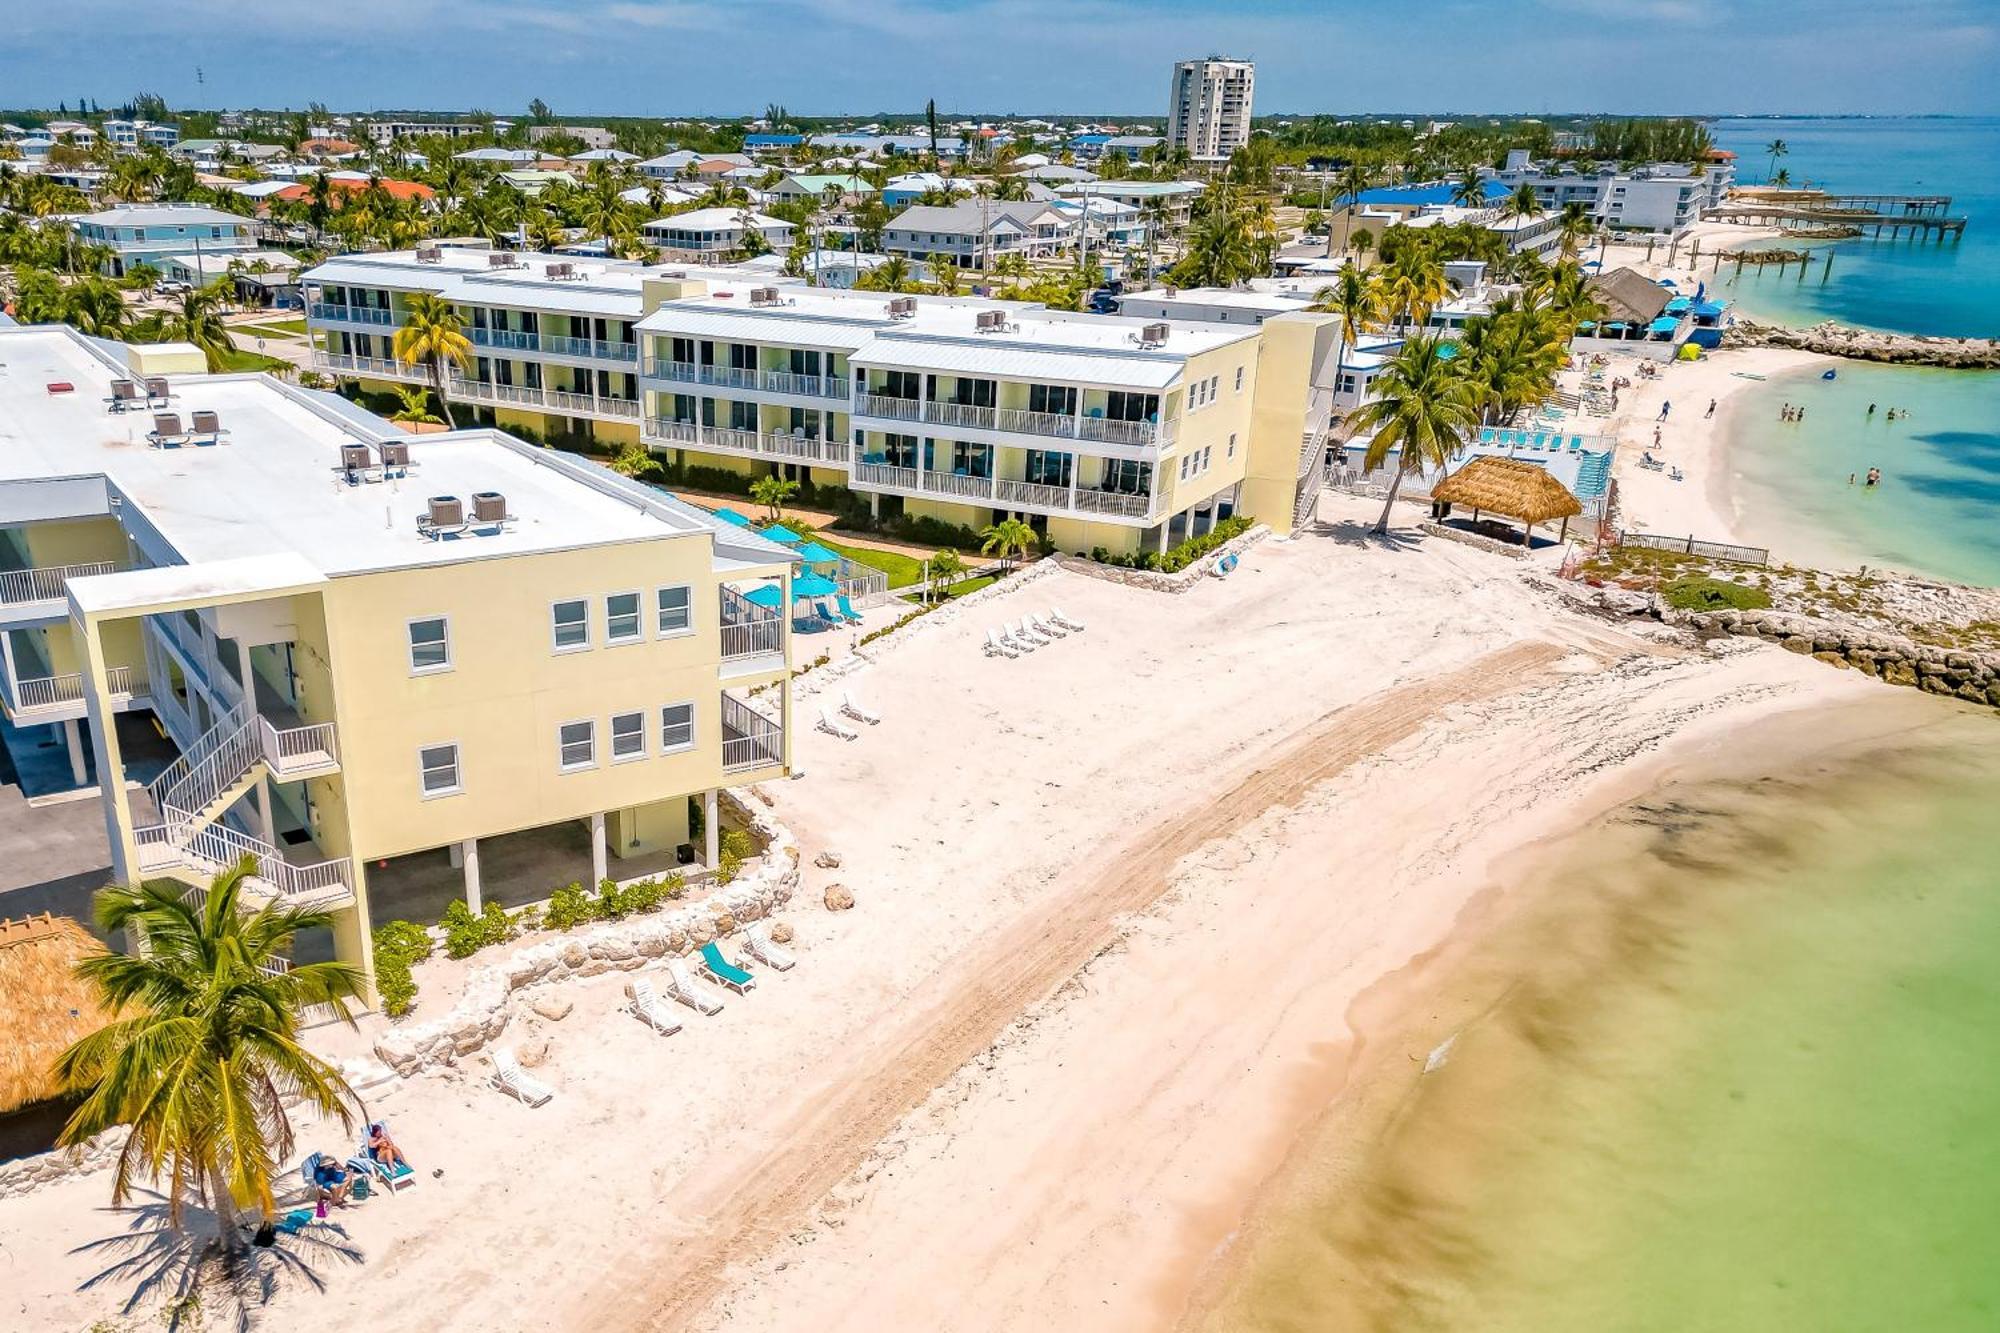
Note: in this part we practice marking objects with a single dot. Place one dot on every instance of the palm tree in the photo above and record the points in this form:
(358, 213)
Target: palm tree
(1470, 191)
(1777, 148)
(637, 462)
(1354, 181)
(1783, 180)
(1356, 298)
(946, 565)
(414, 406)
(202, 1055)
(772, 492)
(1424, 407)
(1412, 284)
(1008, 538)
(1575, 225)
(433, 335)
(198, 320)
(1523, 204)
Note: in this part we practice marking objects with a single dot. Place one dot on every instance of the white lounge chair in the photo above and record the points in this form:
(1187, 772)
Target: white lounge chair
(1014, 639)
(995, 648)
(682, 986)
(510, 1078)
(1070, 623)
(757, 942)
(1022, 634)
(648, 1008)
(829, 723)
(855, 710)
(1045, 628)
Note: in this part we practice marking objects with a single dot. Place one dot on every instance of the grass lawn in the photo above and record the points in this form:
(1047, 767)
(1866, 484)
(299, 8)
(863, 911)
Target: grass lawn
(965, 586)
(276, 328)
(901, 569)
(239, 359)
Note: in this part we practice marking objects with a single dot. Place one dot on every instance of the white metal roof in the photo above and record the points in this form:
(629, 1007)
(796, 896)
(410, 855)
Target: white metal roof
(1017, 360)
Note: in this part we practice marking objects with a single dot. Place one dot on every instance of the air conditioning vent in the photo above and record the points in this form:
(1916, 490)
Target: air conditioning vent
(1155, 333)
(355, 459)
(395, 456)
(489, 507)
(763, 296)
(499, 259)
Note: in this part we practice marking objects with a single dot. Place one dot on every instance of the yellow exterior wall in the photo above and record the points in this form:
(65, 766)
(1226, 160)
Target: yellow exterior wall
(1283, 396)
(79, 542)
(508, 691)
(746, 467)
(643, 829)
(1078, 537)
(1210, 426)
(964, 515)
(165, 359)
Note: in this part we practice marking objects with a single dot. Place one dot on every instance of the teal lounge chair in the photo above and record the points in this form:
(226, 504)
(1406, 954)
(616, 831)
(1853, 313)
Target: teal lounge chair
(724, 971)
(847, 611)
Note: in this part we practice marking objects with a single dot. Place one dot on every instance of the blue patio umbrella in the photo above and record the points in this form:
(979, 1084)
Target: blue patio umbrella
(782, 536)
(1664, 324)
(1447, 351)
(1617, 325)
(1668, 282)
(1678, 304)
(1587, 324)
(767, 595)
(812, 585)
(815, 554)
(732, 517)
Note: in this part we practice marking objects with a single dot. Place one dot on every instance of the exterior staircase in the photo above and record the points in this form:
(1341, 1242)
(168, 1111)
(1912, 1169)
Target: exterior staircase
(193, 843)
(1311, 478)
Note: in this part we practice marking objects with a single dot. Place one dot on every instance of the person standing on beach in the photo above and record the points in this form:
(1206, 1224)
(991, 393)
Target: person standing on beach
(1711, 410)
(1665, 408)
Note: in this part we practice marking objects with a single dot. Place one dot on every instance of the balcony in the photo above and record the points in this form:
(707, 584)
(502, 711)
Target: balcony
(341, 363)
(56, 698)
(750, 739)
(961, 414)
(1016, 421)
(351, 314)
(889, 409)
(506, 339)
(595, 348)
(794, 447)
(802, 386)
(42, 593)
(547, 400)
(753, 637)
(1006, 493)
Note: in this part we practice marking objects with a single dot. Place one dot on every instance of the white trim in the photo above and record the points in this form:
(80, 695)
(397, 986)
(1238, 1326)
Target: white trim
(555, 643)
(611, 733)
(410, 644)
(659, 611)
(692, 726)
(638, 634)
(457, 771)
(562, 767)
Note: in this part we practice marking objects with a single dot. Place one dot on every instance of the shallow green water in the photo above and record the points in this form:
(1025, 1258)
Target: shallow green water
(1742, 1072)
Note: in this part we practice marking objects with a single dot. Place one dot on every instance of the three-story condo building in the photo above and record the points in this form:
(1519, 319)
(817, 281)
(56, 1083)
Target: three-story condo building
(1098, 430)
(381, 658)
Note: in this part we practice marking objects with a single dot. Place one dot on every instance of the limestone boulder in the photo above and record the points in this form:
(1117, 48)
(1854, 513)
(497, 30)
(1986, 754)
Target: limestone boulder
(837, 898)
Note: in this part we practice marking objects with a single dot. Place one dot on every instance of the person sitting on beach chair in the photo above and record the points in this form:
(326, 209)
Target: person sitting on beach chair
(328, 1178)
(383, 1148)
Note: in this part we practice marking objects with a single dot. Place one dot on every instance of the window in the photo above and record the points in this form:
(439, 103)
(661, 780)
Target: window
(437, 768)
(1239, 379)
(676, 727)
(572, 625)
(1232, 445)
(675, 616)
(628, 736)
(621, 618)
(1184, 467)
(576, 746)
(430, 645)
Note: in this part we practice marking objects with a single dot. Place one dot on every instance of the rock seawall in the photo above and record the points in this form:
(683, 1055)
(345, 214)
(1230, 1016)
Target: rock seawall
(1973, 677)
(1833, 339)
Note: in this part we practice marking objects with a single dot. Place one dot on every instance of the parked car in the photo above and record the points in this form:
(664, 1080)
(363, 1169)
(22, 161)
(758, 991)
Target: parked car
(169, 287)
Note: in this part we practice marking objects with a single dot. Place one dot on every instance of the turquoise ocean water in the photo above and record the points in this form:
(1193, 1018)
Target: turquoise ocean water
(1936, 512)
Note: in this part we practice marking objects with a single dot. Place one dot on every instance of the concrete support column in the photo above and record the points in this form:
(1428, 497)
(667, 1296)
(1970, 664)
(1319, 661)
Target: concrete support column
(466, 854)
(73, 737)
(249, 681)
(260, 796)
(711, 829)
(116, 801)
(600, 864)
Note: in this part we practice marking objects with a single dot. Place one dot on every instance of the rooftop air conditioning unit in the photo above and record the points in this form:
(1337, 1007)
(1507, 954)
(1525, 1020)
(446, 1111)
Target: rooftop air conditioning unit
(442, 514)
(991, 319)
(903, 307)
(354, 460)
(395, 456)
(499, 259)
(763, 296)
(489, 507)
(429, 254)
(1156, 333)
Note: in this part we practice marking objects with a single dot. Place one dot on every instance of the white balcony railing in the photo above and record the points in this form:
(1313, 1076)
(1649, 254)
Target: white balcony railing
(1021, 421)
(50, 691)
(595, 348)
(882, 474)
(749, 630)
(749, 739)
(1117, 504)
(661, 368)
(1033, 493)
(893, 409)
(512, 340)
(805, 386)
(351, 314)
(343, 363)
(960, 414)
(48, 583)
(949, 483)
(1119, 432)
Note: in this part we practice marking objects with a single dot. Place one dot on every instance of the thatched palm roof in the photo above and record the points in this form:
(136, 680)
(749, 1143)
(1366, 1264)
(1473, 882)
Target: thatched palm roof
(1510, 488)
(1629, 296)
(43, 1005)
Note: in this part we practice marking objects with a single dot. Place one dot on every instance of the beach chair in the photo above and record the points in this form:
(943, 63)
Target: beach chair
(393, 1177)
(646, 1006)
(167, 429)
(995, 648)
(157, 391)
(724, 971)
(826, 618)
(847, 611)
(834, 727)
(1022, 634)
(1070, 623)
(124, 395)
(208, 426)
(1046, 629)
(855, 710)
(1486, 435)
(510, 1078)
(1013, 640)
(757, 942)
(682, 987)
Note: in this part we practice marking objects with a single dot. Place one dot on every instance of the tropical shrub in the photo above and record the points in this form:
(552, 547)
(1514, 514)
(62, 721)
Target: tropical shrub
(1697, 593)
(569, 907)
(399, 945)
(736, 848)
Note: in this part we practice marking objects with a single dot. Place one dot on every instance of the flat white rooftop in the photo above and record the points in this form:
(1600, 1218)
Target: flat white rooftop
(274, 485)
(610, 287)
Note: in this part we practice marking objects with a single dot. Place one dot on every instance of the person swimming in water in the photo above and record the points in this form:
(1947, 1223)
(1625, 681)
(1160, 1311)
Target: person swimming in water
(1874, 476)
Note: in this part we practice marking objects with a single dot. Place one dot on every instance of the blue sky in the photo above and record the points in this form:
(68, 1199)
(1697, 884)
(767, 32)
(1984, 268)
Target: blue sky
(729, 57)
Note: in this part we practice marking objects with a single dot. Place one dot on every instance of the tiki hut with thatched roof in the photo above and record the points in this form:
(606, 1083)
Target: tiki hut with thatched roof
(1512, 489)
(44, 1007)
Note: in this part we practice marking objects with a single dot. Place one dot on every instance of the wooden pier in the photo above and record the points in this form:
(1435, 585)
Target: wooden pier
(1924, 215)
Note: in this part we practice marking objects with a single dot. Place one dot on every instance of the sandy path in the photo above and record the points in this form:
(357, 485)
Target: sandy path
(753, 1205)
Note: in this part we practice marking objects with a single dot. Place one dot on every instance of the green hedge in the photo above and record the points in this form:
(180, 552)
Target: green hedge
(1181, 556)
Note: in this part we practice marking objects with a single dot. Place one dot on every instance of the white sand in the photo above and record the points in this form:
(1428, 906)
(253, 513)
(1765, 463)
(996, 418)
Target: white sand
(1423, 710)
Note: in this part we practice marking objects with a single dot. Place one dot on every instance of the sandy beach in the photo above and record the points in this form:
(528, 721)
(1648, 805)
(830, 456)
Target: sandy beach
(1114, 903)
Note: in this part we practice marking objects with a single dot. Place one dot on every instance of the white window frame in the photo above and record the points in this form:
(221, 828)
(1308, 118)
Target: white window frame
(638, 634)
(555, 626)
(611, 731)
(1239, 379)
(1184, 467)
(424, 789)
(1232, 445)
(676, 747)
(660, 610)
(410, 642)
(562, 765)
